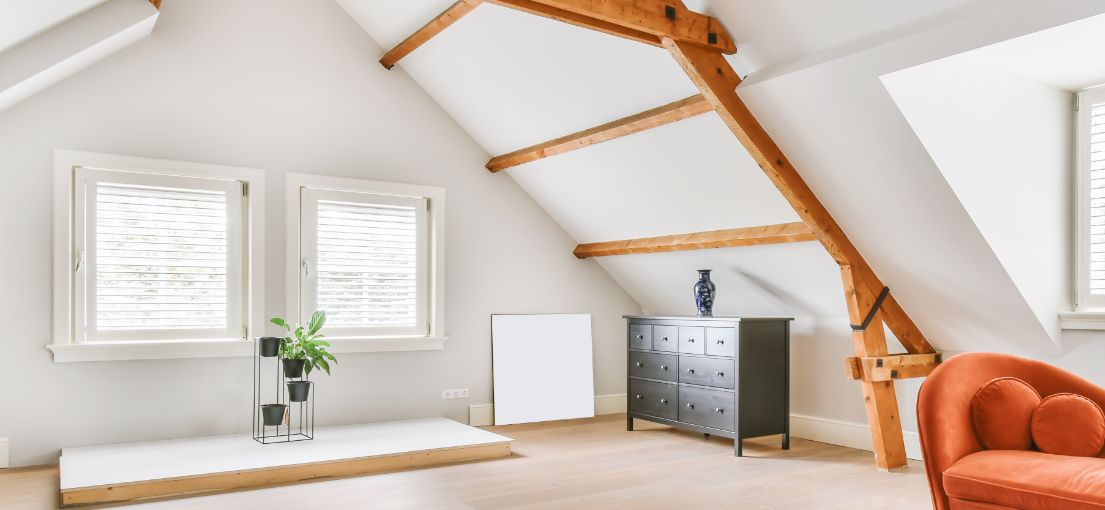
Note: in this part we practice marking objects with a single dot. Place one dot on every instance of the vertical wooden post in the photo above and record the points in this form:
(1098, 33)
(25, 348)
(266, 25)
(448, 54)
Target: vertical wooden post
(879, 397)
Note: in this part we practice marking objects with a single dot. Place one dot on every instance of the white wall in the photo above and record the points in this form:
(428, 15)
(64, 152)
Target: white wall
(1003, 143)
(285, 86)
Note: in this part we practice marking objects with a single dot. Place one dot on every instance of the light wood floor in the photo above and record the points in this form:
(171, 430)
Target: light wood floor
(579, 464)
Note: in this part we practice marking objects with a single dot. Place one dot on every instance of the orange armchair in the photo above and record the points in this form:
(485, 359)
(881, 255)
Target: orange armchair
(962, 476)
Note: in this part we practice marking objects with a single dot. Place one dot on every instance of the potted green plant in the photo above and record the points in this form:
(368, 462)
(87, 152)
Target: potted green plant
(304, 350)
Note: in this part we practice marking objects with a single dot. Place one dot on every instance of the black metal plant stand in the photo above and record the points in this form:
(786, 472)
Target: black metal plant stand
(296, 419)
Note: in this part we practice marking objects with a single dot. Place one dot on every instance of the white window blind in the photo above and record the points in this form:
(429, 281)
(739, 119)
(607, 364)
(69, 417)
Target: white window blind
(1096, 163)
(364, 261)
(160, 257)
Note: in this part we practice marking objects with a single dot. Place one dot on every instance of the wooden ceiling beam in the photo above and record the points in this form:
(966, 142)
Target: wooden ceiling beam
(659, 116)
(544, 10)
(717, 81)
(156, 3)
(661, 18)
(747, 236)
(428, 31)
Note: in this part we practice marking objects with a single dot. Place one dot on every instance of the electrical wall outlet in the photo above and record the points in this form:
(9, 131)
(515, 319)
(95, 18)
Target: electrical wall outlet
(454, 393)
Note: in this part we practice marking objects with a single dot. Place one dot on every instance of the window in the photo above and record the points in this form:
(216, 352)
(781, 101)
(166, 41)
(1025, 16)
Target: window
(1090, 158)
(151, 253)
(158, 257)
(367, 255)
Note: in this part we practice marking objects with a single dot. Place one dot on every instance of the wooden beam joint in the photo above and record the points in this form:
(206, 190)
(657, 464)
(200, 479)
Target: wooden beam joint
(892, 367)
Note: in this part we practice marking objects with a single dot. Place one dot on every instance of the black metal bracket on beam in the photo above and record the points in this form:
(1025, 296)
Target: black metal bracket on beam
(669, 12)
(874, 309)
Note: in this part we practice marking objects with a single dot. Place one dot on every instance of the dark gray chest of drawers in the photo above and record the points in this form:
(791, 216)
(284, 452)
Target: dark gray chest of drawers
(724, 376)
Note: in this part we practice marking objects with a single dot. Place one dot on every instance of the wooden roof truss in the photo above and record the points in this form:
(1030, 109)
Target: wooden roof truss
(697, 42)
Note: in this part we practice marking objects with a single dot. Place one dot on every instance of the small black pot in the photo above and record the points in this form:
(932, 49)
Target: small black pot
(298, 390)
(273, 414)
(293, 367)
(270, 346)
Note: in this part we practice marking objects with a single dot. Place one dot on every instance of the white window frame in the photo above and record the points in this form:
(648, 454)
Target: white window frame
(1084, 300)
(69, 197)
(298, 306)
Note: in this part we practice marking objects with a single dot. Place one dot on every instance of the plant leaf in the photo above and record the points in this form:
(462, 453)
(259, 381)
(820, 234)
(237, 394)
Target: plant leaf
(317, 320)
(280, 322)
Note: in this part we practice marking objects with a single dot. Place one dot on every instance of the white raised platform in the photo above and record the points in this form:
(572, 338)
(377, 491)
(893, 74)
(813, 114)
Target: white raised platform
(159, 469)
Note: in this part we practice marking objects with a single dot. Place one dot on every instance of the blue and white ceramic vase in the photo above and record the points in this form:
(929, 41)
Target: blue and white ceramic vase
(704, 292)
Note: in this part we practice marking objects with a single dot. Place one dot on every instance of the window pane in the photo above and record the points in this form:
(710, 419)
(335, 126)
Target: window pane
(1097, 197)
(367, 264)
(161, 258)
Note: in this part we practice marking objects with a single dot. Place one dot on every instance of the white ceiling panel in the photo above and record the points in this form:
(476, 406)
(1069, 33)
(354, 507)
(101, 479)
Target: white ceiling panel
(512, 79)
(689, 176)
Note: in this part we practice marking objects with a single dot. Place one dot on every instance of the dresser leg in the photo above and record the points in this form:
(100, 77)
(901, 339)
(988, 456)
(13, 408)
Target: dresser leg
(786, 440)
(629, 423)
(738, 447)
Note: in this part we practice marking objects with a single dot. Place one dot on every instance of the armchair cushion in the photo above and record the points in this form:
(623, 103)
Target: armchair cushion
(1002, 411)
(1069, 424)
(1028, 480)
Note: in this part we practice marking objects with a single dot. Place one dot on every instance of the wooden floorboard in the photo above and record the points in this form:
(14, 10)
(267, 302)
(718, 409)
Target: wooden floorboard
(581, 464)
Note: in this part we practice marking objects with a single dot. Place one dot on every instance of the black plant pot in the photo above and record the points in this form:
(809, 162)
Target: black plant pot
(293, 368)
(270, 346)
(298, 390)
(273, 414)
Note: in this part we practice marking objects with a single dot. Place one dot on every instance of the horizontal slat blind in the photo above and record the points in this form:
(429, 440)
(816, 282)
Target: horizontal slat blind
(1097, 198)
(161, 258)
(367, 264)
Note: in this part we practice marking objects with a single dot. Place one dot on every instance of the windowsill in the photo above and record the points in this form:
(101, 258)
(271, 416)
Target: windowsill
(122, 351)
(1085, 320)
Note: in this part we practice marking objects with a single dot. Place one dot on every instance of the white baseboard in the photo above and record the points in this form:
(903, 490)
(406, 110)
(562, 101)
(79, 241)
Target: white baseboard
(480, 415)
(822, 430)
(845, 433)
(4, 461)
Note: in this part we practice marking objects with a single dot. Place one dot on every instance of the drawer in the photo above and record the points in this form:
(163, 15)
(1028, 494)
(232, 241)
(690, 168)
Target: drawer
(719, 373)
(692, 339)
(721, 341)
(708, 408)
(640, 336)
(665, 338)
(653, 398)
(653, 365)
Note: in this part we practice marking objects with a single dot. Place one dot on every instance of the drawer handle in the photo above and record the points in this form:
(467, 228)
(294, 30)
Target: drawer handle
(640, 337)
(690, 340)
(663, 367)
(639, 364)
(721, 342)
(690, 406)
(719, 374)
(638, 396)
(719, 410)
(664, 401)
(665, 339)
(690, 370)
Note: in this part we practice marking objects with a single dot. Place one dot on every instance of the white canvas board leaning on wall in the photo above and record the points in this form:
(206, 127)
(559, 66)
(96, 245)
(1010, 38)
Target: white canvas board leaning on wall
(541, 365)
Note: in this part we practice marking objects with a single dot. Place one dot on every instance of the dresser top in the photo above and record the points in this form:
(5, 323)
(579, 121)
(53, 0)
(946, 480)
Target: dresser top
(723, 318)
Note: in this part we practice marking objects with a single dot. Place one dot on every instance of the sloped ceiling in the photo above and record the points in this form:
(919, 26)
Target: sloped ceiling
(20, 20)
(512, 80)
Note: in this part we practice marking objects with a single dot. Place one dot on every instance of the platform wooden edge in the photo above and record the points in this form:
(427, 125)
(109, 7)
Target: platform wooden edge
(169, 488)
